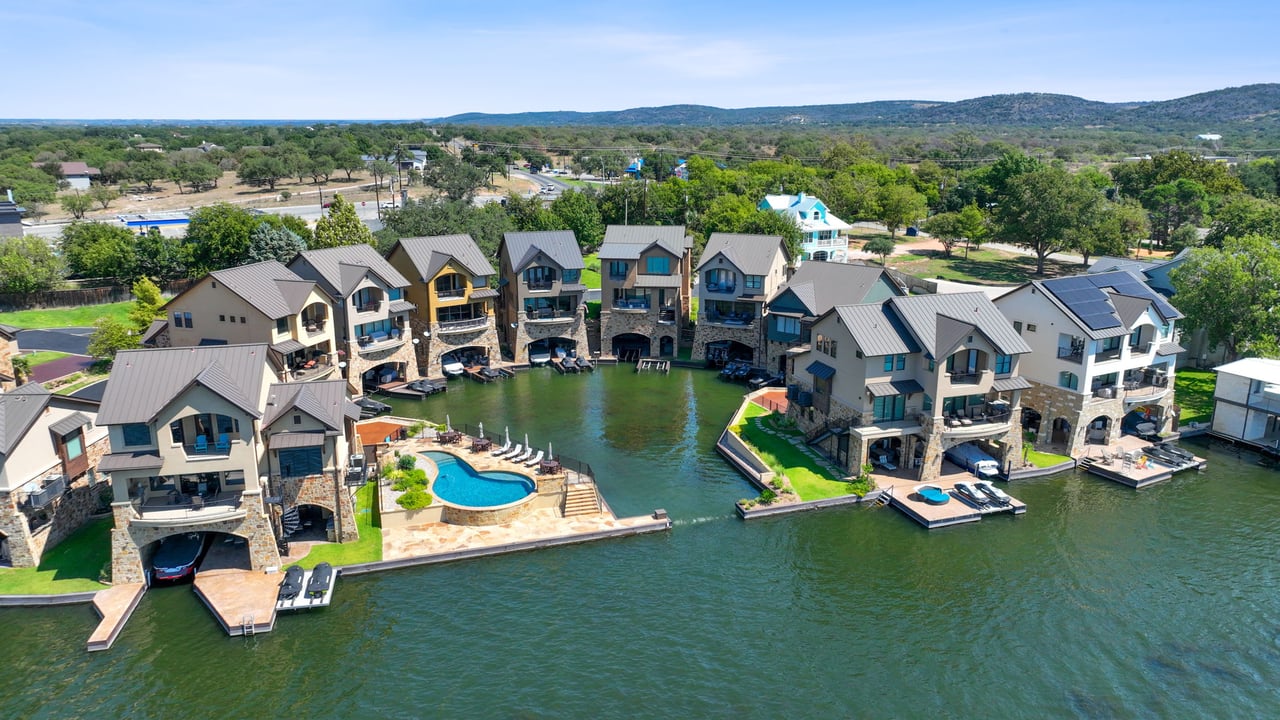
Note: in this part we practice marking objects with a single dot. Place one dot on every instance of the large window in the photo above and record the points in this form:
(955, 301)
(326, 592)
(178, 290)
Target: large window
(1068, 380)
(540, 276)
(73, 444)
(787, 325)
(964, 362)
(182, 319)
(366, 299)
(136, 434)
(891, 407)
(618, 269)
(572, 276)
(754, 282)
(658, 266)
(1004, 364)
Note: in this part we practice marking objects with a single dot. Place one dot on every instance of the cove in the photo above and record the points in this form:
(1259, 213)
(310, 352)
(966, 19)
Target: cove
(1099, 602)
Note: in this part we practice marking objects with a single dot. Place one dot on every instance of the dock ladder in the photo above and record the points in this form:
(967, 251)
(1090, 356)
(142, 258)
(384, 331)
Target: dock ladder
(884, 498)
(247, 625)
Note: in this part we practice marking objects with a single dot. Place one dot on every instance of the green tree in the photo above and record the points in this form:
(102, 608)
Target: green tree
(899, 206)
(218, 237)
(349, 161)
(952, 227)
(99, 250)
(1041, 210)
(1231, 293)
(737, 214)
(148, 170)
(882, 246)
(1172, 205)
(76, 204)
(293, 224)
(268, 242)
(161, 257)
(258, 170)
(485, 224)
(1243, 215)
(577, 211)
(28, 265)
(1113, 229)
(530, 214)
(104, 195)
(456, 179)
(109, 337)
(380, 169)
(340, 226)
(147, 304)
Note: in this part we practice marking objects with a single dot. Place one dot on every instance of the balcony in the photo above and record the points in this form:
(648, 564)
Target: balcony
(742, 320)
(178, 510)
(551, 317)
(723, 288)
(978, 422)
(461, 326)
(667, 316)
(1071, 354)
(451, 293)
(1105, 355)
(635, 305)
(210, 448)
(314, 325)
(965, 378)
(539, 285)
(378, 342)
(52, 488)
(369, 307)
(312, 370)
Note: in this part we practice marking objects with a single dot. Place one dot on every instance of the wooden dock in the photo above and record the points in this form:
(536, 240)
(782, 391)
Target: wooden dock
(243, 602)
(955, 512)
(565, 367)
(651, 364)
(400, 389)
(114, 605)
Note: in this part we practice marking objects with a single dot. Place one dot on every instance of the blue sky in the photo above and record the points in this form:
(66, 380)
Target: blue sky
(416, 59)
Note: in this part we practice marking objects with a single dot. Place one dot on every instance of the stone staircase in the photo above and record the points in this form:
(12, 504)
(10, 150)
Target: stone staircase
(581, 499)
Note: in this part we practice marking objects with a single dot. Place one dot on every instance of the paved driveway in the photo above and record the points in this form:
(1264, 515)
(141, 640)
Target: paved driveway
(67, 340)
(60, 367)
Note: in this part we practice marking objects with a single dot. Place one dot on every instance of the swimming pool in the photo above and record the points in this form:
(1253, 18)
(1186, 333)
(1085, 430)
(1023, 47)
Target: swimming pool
(460, 484)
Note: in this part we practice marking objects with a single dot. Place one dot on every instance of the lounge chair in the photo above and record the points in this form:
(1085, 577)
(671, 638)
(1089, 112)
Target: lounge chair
(202, 444)
(513, 452)
(223, 444)
(534, 460)
(525, 457)
(502, 450)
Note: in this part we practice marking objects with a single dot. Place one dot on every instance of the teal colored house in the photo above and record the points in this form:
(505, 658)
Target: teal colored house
(820, 228)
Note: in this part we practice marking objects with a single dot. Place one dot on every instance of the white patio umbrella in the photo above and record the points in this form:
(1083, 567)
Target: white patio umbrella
(549, 455)
(506, 431)
(526, 439)
(481, 431)
(447, 425)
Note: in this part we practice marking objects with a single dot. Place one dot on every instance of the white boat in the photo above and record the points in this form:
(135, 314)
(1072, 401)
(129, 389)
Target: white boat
(541, 358)
(451, 366)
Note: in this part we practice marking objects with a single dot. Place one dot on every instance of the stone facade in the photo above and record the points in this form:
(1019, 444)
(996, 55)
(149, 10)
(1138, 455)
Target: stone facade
(65, 514)
(614, 323)
(8, 348)
(128, 540)
(527, 332)
(359, 361)
(1080, 410)
(705, 333)
(320, 490)
(432, 348)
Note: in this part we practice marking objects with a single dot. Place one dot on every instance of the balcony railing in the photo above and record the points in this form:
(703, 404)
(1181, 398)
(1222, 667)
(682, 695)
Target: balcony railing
(212, 448)
(175, 509)
(631, 304)
(732, 319)
(378, 342)
(52, 490)
(1104, 355)
(313, 325)
(540, 284)
(726, 288)
(369, 307)
(965, 378)
(457, 326)
(549, 316)
(1071, 354)
(451, 293)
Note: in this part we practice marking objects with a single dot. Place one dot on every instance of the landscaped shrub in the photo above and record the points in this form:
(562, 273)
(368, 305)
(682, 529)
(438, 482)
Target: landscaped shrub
(415, 499)
(416, 429)
(776, 483)
(409, 479)
(767, 497)
(406, 462)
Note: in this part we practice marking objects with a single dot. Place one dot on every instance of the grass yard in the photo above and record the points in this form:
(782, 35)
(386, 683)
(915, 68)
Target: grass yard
(1044, 459)
(86, 381)
(72, 566)
(591, 275)
(41, 357)
(1193, 390)
(693, 308)
(67, 317)
(984, 267)
(367, 549)
(810, 480)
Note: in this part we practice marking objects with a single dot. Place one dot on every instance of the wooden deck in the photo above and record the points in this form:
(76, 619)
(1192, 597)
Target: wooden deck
(243, 602)
(1110, 463)
(114, 606)
(955, 512)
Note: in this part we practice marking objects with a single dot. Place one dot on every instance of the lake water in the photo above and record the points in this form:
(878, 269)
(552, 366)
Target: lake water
(1099, 602)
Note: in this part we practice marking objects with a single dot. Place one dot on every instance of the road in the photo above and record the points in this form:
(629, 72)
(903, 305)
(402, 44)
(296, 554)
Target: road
(74, 340)
(543, 181)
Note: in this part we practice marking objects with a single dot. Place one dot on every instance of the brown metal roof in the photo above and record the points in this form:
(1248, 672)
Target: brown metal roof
(342, 268)
(560, 246)
(143, 382)
(483, 293)
(430, 254)
(144, 460)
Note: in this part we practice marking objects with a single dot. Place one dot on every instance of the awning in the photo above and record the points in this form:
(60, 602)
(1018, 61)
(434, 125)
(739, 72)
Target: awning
(658, 281)
(295, 440)
(70, 423)
(783, 313)
(1010, 383)
(1171, 348)
(573, 288)
(288, 347)
(397, 306)
(820, 370)
(895, 387)
(145, 460)
(484, 294)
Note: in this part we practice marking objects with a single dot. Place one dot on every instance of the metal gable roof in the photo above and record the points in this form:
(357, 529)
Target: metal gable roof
(143, 382)
(751, 254)
(920, 314)
(324, 400)
(342, 268)
(430, 254)
(1087, 300)
(70, 423)
(618, 238)
(876, 330)
(19, 409)
(561, 246)
(270, 287)
(821, 286)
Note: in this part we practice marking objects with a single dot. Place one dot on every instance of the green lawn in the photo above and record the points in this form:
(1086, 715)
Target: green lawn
(367, 549)
(987, 267)
(1193, 390)
(693, 308)
(41, 357)
(1044, 459)
(810, 480)
(591, 275)
(68, 317)
(72, 566)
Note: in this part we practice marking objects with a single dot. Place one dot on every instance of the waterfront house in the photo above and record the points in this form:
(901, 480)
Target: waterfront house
(49, 447)
(645, 272)
(540, 301)
(812, 290)
(370, 312)
(201, 438)
(453, 301)
(1246, 402)
(260, 302)
(736, 274)
(1103, 357)
(820, 228)
(898, 382)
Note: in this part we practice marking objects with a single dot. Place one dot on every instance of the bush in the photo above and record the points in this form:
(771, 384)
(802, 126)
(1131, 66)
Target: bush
(415, 499)
(416, 429)
(776, 483)
(593, 309)
(406, 480)
(767, 497)
(406, 462)
(285, 194)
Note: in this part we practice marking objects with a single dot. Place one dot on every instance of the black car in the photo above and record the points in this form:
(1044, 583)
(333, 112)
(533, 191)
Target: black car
(177, 556)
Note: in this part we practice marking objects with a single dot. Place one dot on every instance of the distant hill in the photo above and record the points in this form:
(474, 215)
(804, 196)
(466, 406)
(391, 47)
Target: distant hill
(1250, 103)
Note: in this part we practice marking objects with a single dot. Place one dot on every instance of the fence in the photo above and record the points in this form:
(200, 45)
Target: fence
(578, 470)
(80, 297)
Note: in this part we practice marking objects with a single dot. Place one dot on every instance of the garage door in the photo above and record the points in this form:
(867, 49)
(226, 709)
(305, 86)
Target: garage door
(300, 462)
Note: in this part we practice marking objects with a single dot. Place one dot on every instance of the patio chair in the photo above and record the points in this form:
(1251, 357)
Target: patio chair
(513, 452)
(534, 460)
(525, 457)
(223, 444)
(502, 450)
(202, 444)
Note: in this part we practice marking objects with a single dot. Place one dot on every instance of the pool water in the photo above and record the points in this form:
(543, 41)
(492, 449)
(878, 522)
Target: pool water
(460, 484)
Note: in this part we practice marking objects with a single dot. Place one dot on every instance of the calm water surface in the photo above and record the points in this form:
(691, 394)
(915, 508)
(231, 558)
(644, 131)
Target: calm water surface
(1099, 602)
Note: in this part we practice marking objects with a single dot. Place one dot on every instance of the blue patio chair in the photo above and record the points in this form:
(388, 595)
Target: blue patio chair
(223, 444)
(202, 444)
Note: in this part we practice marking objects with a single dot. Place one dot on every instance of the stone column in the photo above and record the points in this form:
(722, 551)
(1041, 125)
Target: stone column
(126, 559)
(13, 525)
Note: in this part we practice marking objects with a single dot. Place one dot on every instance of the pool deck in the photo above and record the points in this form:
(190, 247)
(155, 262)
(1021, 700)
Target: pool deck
(1115, 469)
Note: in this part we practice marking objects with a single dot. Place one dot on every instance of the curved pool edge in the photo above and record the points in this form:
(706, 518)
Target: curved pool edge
(458, 514)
